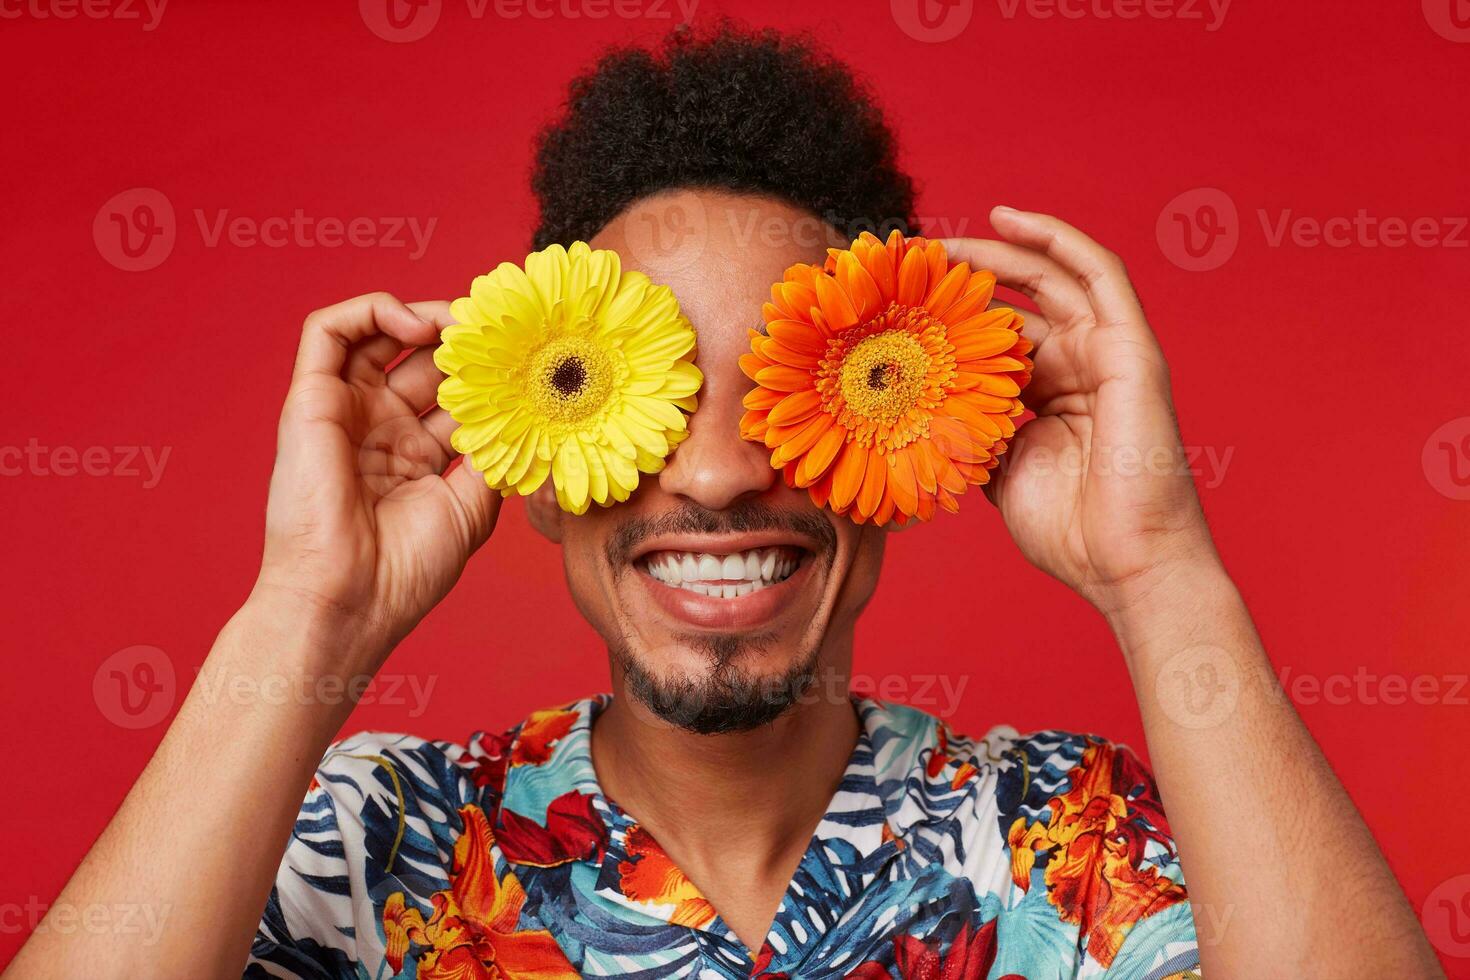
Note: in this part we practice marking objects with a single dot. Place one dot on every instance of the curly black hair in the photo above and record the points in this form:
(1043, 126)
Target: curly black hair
(745, 111)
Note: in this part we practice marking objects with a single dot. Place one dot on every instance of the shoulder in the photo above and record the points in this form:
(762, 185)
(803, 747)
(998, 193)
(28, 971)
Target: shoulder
(380, 823)
(1066, 827)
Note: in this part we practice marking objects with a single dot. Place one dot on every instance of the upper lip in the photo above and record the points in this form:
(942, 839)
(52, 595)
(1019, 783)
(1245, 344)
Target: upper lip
(722, 544)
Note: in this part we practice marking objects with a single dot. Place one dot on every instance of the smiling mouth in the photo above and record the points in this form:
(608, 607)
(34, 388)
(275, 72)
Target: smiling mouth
(723, 575)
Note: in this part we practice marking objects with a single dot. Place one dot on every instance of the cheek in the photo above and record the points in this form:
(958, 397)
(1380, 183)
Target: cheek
(867, 544)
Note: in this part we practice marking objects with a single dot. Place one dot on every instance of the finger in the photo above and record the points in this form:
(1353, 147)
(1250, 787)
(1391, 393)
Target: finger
(368, 359)
(436, 311)
(1056, 293)
(329, 334)
(1099, 271)
(415, 379)
(479, 504)
(439, 424)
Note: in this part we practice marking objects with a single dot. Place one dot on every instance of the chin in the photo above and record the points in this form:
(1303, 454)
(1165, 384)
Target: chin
(715, 683)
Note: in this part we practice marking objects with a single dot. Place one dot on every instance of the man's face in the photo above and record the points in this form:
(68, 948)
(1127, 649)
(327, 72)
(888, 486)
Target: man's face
(719, 590)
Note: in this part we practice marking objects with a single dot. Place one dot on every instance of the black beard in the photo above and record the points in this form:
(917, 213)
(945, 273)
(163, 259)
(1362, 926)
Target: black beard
(727, 699)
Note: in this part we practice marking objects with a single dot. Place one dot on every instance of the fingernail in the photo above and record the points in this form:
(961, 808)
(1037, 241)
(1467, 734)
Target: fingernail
(1005, 208)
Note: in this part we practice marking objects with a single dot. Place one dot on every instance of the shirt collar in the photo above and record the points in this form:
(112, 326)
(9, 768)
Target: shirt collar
(905, 772)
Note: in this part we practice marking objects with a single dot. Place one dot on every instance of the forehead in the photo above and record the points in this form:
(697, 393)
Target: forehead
(719, 252)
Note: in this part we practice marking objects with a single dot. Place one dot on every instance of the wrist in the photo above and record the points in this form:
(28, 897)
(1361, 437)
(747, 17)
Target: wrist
(296, 628)
(1166, 604)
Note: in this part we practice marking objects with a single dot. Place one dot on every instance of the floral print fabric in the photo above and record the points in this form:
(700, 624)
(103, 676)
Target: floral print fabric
(1041, 856)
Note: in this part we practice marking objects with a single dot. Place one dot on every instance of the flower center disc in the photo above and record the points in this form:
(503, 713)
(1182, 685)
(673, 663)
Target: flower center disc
(569, 378)
(883, 375)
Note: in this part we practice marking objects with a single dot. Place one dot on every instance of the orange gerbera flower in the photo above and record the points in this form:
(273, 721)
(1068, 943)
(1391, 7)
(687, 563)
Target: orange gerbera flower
(884, 385)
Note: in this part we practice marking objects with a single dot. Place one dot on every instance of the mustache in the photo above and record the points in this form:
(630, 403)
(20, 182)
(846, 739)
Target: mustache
(743, 517)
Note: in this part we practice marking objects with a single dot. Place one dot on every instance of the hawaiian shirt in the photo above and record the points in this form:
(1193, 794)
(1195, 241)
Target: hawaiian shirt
(1040, 856)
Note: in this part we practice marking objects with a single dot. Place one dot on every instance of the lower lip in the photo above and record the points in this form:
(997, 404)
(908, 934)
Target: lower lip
(742, 612)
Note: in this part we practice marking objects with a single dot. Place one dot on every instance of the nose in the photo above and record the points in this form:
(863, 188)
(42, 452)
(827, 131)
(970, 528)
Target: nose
(713, 466)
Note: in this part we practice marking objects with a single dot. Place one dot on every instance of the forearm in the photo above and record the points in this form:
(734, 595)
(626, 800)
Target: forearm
(196, 843)
(1284, 876)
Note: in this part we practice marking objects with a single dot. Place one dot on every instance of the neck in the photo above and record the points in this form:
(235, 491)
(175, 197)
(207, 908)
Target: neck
(759, 794)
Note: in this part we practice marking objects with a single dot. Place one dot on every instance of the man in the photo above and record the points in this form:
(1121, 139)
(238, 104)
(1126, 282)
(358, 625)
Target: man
(714, 816)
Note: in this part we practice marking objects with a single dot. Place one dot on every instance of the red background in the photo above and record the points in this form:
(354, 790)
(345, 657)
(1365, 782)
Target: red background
(1323, 369)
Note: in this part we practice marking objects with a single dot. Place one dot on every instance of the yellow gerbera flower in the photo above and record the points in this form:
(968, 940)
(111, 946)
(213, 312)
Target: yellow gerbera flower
(570, 367)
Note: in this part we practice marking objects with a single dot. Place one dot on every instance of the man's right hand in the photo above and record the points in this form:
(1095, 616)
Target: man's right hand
(363, 526)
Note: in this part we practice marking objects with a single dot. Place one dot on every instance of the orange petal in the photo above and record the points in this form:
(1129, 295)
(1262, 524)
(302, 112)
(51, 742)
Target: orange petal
(860, 286)
(752, 364)
(821, 490)
(938, 260)
(795, 300)
(925, 511)
(796, 406)
(996, 384)
(776, 351)
(879, 263)
(958, 441)
(782, 377)
(753, 426)
(847, 475)
(836, 305)
(945, 291)
(816, 460)
(977, 296)
(986, 403)
(902, 483)
(945, 475)
(923, 468)
(763, 398)
(886, 507)
(801, 335)
(870, 494)
(913, 278)
(798, 442)
(988, 342)
(896, 248)
(995, 365)
(1001, 316)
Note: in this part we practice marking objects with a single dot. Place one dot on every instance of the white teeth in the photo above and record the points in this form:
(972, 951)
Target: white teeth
(722, 576)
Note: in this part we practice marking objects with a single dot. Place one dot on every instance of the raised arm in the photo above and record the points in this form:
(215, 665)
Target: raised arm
(367, 528)
(1284, 877)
